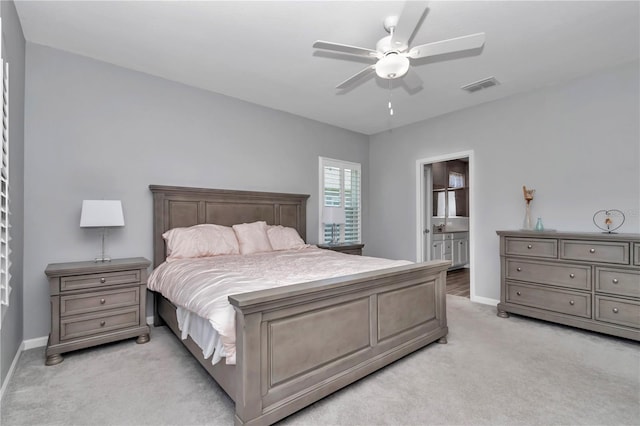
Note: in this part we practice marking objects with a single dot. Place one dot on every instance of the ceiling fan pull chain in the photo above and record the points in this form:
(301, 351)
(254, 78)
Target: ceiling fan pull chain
(390, 106)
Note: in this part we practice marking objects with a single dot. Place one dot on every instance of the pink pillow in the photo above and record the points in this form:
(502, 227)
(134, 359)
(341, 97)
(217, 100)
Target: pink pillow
(252, 237)
(284, 238)
(204, 240)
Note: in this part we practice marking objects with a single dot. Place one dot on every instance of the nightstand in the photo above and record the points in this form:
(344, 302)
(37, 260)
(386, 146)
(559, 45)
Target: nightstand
(348, 248)
(96, 302)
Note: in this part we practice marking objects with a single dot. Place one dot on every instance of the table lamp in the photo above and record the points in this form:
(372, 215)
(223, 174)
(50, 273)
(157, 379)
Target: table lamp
(101, 214)
(333, 216)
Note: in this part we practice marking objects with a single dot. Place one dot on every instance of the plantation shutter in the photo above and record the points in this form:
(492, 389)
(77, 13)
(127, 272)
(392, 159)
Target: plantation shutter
(5, 251)
(341, 187)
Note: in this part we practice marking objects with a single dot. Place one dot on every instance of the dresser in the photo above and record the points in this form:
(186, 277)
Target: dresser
(586, 280)
(96, 302)
(347, 248)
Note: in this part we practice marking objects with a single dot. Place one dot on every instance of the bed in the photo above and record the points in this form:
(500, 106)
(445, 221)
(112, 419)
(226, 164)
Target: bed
(299, 343)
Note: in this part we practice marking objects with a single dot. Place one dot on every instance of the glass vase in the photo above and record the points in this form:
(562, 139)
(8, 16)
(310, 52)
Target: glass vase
(527, 219)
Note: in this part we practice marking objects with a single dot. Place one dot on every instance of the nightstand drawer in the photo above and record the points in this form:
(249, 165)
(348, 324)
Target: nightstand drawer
(531, 247)
(602, 252)
(77, 282)
(565, 302)
(98, 301)
(570, 276)
(86, 325)
(346, 248)
(618, 311)
(352, 251)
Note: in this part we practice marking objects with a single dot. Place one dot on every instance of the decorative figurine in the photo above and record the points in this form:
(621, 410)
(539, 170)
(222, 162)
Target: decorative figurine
(608, 220)
(528, 197)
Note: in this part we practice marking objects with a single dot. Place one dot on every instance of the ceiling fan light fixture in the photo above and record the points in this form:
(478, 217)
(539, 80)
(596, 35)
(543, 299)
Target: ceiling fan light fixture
(392, 65)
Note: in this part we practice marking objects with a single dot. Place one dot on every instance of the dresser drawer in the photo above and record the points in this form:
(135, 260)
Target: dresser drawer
(636, 254)
(76, 282)
(618, 281)
(565, 302)
(618, 311)
(564, 275)
(603, 252)
(86, 325)
(98, 301)
(531, 247)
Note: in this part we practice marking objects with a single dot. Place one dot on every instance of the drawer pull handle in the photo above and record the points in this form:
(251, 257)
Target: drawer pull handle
(518, 269)
(103, 280)
(102, 301)
(572, 275)
(518, 293)
(529, 246)
(102, 323)
(615, 310)
(592, 250)
(571, 302)
(615, 281)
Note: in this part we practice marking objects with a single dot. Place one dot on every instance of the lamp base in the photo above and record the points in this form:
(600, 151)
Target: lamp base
(102, 259)
(334, 235)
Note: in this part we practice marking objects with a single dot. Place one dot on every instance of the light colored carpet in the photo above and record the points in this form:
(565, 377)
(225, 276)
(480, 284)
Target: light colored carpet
(514, 371)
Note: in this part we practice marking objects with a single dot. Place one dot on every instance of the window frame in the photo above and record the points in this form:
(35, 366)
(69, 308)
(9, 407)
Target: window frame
(342, 164)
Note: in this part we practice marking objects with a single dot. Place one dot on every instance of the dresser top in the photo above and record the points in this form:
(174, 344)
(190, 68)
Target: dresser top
(601, 236)
(75, 268)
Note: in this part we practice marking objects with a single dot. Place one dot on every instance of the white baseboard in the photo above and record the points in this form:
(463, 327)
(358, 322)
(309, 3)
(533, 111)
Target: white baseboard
(38, 342)
(7, 379)
(485, 300)
(150, 320)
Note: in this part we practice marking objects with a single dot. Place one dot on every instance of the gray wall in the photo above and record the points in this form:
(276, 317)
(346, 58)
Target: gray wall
(95, 131)
(13, 50)
(577, 144)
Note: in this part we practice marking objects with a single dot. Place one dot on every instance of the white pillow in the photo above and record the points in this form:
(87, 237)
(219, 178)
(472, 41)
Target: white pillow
(284, 238)
(252, 237)
(204, 240)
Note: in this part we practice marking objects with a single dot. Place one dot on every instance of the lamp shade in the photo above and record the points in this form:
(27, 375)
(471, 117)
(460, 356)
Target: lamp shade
(332, 215)
(101, 213)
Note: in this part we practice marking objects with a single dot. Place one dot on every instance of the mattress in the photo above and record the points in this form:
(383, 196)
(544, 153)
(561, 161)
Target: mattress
(200, 287)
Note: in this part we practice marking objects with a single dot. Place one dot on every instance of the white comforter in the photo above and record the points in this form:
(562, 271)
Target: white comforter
(203, 285)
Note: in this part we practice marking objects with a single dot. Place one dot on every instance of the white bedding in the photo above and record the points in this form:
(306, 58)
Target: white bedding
(200, 287)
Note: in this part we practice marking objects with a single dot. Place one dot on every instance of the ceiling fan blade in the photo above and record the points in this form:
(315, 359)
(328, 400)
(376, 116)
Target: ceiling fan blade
(348, 82)
(408, 22)
(473, 41)
(412, 80)
(345, 48)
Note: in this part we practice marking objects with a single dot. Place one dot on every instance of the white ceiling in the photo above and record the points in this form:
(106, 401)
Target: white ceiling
(261, 51)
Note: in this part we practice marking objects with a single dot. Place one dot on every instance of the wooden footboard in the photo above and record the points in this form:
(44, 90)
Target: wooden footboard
(297, 344)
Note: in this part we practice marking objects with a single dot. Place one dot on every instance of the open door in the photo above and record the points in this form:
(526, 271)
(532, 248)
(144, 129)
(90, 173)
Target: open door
(428, 208)
(445, 216)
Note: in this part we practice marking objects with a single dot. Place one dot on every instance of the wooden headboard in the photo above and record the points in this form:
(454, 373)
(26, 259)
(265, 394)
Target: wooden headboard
(175, 206)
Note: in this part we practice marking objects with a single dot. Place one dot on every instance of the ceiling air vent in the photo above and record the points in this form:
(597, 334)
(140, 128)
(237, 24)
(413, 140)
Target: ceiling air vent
(481, 84)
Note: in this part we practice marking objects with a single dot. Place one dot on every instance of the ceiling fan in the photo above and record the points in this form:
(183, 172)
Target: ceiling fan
(393, 54)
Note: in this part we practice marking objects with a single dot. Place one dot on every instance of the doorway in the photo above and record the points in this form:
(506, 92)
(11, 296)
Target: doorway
(445, 219)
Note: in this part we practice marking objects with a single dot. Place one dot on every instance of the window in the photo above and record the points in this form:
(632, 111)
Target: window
(340, 187)
(5, 264)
